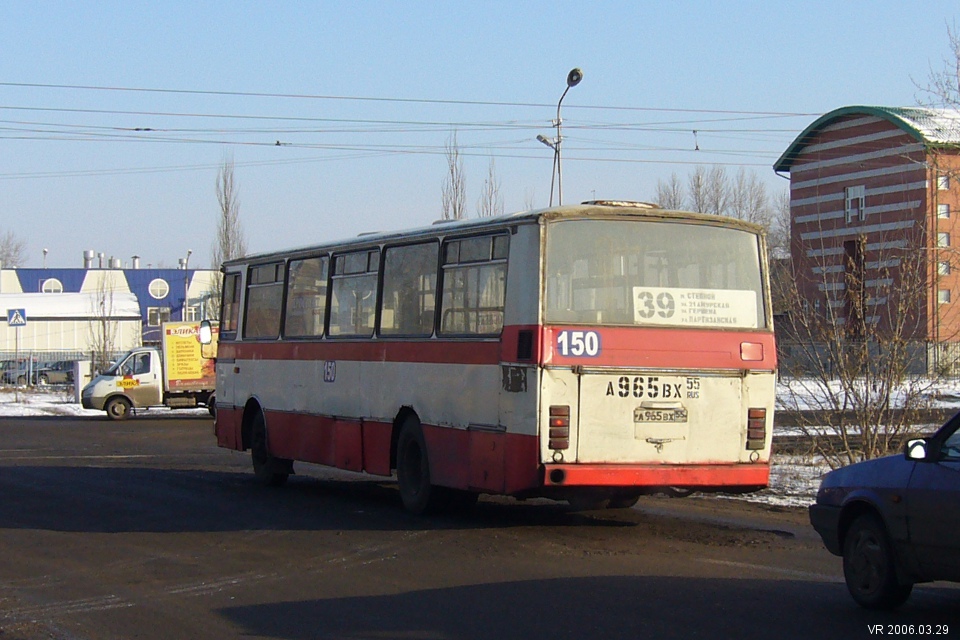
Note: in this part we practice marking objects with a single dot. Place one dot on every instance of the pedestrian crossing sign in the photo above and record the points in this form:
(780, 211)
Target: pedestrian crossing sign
(17, 317)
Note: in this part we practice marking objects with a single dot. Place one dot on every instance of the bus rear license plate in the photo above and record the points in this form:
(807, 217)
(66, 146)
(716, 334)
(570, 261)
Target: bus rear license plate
(659, 415)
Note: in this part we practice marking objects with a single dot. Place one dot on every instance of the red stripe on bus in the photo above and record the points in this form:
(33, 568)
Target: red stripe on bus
(666, 348)
(477, 460)
(639, 475)
(631, 347)
(425, 351)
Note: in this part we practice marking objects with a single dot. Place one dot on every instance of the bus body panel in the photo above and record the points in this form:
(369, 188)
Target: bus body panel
(484, 402)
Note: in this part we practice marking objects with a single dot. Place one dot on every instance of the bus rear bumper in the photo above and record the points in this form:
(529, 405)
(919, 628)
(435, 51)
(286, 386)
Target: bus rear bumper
(716, 477)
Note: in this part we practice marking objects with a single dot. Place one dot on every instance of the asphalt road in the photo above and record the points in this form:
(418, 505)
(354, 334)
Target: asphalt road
(145, 529)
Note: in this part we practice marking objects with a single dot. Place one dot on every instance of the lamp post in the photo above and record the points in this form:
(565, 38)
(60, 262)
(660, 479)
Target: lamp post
(573, 79)
(186, 285)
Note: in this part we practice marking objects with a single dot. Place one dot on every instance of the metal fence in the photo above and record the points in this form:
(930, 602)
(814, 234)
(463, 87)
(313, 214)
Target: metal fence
(939, 360)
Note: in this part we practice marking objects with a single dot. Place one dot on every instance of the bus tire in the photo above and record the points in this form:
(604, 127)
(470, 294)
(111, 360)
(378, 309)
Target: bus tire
(419, 496)
(118, 408)
(623, 502)
(212, 406)
(269, 470)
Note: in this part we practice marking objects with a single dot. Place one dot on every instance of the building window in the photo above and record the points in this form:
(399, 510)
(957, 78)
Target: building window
(943, 239)
(159, 289)
(157, 316)
(855, 197)
(943, 296)
(191, 314)
(51, 285)
(943, 211)
(943, 182)
(943, 268)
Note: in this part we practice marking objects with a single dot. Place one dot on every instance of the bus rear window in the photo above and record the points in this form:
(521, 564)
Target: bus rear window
(643, 273)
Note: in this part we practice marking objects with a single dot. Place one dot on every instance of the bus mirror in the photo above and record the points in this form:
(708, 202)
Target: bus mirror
(206, 332)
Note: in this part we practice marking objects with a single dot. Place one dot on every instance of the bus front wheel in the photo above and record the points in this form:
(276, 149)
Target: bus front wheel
(413, 472)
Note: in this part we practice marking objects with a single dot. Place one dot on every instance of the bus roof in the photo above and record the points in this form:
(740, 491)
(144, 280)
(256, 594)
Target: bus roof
(591, 209)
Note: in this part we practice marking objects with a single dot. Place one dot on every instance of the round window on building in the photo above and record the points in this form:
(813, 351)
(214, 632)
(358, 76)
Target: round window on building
(52, 285)
(159, 289)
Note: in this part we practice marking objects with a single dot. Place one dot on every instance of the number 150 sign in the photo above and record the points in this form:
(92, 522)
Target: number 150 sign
(578, 343)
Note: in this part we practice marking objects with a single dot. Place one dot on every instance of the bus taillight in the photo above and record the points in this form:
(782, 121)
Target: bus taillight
(559, 427)
(756, 428)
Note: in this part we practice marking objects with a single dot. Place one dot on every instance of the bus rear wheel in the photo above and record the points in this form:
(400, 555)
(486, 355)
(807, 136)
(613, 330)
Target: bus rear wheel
(269, 470)
(419, 496)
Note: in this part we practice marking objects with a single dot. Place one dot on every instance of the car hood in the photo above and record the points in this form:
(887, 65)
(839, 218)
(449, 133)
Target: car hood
(879, 474)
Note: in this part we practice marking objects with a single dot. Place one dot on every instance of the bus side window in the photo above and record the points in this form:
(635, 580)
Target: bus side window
(354, 292)
(474, 285)
(409, 290)
(264, 298)
(306, 297)
(230, 303)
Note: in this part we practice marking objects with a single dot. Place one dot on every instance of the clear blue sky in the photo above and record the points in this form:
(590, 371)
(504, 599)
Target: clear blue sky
(78, 79)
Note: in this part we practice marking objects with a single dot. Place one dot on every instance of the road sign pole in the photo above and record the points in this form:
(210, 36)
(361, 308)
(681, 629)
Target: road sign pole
(16, 366)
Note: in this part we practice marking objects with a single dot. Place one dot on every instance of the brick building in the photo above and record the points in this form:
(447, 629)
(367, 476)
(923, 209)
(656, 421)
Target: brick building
(874, 207)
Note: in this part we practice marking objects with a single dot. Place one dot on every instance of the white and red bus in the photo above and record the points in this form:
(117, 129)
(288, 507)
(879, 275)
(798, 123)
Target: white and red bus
(588, 353)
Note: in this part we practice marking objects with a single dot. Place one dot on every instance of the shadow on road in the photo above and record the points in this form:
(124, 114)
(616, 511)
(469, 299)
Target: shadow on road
(599, 607)
(136, 499)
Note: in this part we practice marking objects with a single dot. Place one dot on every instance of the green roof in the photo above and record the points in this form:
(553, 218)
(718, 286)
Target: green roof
(934, 127)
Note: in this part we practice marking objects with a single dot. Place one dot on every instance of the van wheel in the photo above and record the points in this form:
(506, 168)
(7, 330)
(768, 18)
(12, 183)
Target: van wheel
(868, 566)
(413, 472)
(212, 406)
(270, 471)
(118, 408)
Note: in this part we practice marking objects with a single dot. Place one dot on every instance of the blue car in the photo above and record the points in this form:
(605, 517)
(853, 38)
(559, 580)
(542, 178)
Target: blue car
(895, 520)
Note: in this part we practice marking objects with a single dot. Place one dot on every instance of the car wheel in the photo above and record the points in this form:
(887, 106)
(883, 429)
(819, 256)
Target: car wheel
(413, 472)
(118, 408)
(869, 566)
(43, 379)
(270, 470)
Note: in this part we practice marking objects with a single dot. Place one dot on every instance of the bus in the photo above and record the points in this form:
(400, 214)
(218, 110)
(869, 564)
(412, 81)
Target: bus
(589, 353)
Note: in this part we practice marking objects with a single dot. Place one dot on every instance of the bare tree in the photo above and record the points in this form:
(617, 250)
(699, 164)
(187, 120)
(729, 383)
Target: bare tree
(778, 232)
(104, 329)
(231, 241)
(717, 191)
(454, 193)
(670, 193)
(13, 251)
(529, 202)
(943, 86)
(490, 202)
(854, 358)
(697, 192)
(748, 200)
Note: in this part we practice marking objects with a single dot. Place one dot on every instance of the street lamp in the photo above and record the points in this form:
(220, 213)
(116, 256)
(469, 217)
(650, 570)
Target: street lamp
(186, 284)
(573, 79)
